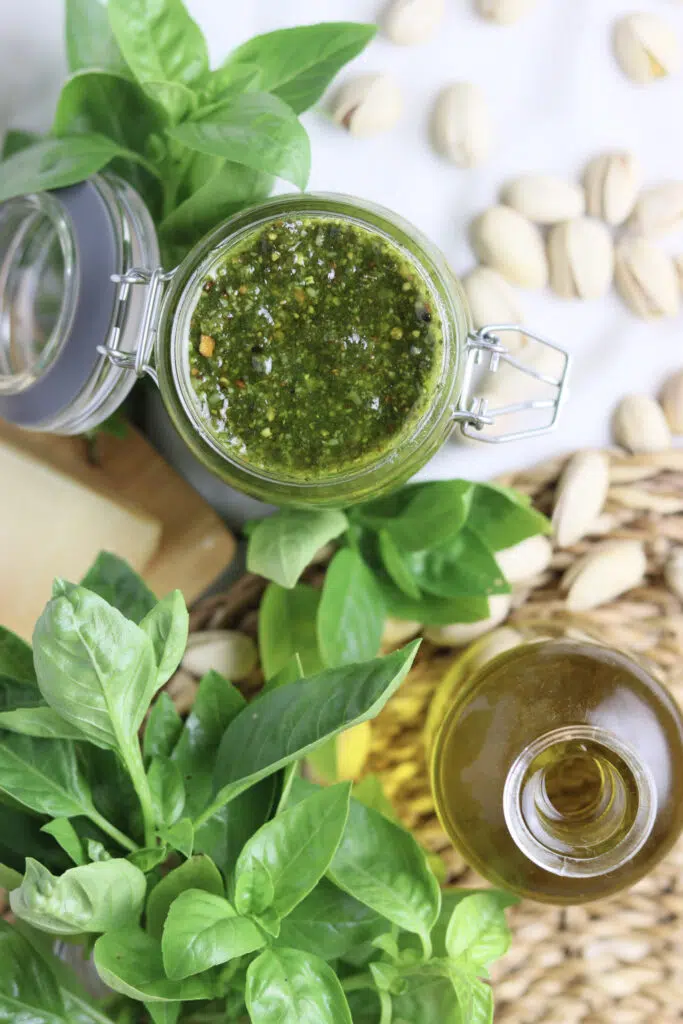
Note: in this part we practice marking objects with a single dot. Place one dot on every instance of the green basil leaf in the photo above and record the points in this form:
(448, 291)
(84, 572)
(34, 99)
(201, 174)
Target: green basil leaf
(365, 1008)
(91, 898)
(477, 930)
(369, 791)
(500, 517)
(351, 612)
(167, 626)
(216, 705)
(29, 993)
(167, 789)
(89, 39)
(255, 891)
(330, 923)
(436, 511)
(44, 775)
(203, 930)
(55, 163)
(16, 658)
(163, 728)
(475, 997)
(163, 1013)
(380, 864)
(255, 129)
(159, 40)
(97, 851)
(42, 722)
(223, 835)
(95, 667)
(290, 672)
(198, 872)
(295, 848)
(180, 836)
(16, 695)
(230, 79)
(451, 898)
(175, 98)
(287, 626)
(395, 565)
(281, 546)
(298, 64)
(462, 568)
(15, 140)
(67, 837)
(287, 984)
(9, 878)
(102, 101)
(287, 723)
(426, 998)
(112, 790)
(431, 610)
(148, 857)
(130, 962)
(114, 580)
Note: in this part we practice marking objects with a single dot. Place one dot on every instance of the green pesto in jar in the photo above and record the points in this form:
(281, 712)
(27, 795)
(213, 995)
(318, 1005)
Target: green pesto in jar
(315, 346)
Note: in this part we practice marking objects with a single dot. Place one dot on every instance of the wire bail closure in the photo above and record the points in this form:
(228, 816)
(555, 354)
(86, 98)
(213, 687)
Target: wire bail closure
(138, 361)
(473, 412)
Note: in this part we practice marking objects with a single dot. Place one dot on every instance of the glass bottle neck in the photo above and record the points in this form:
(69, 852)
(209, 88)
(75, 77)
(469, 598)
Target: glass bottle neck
(578, 802)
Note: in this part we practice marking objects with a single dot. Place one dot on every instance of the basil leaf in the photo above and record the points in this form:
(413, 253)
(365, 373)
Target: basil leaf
(89, 898)
(114, 580)
(16, 695)
(394, 563)
(226, 832)
(198, 872)
(462, 568)
(102, 101)
(159, 40)
(295, 848)
(130, 962)
(66, 835)
(148, 857)
(44, 775)
(297, 64)
(163, 728)
(167, 626)
(431, 610)
(330, 923)
(42, 722)
(180, 836)
(89, 39)
(351, 613)
(380, 864)
(16, 658)
(369, 791)
(203, 930)
(55, 163)
(15, 140)
(500, 517)
(163, 1013)
(288, 722)
(97, 852)
(167, 789)
(475, 997)
(9, 878)
(281, 546)
(229, 79)
(286, 984)
(477, 930)
(112, 790)
(28, 990)
(290, 672)
(254, 129)
(451, 898)
(434, 511)
(287, 626)
(216, 704)
(425, 998)
(175, 98)
(95, 667)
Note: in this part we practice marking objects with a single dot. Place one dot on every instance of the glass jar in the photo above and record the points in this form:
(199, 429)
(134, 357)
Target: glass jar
(66, 365)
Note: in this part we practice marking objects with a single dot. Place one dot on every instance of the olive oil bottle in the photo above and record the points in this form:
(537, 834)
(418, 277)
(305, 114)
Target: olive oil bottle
(557, 771)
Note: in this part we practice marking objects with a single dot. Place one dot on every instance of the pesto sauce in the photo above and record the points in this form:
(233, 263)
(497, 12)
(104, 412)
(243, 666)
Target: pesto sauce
(314, 346)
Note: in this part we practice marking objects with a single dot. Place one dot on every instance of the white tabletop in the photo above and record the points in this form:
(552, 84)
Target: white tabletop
(558, 98)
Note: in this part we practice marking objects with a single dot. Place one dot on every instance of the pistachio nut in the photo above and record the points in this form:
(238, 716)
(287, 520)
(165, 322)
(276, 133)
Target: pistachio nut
(581, 258)
(580, 496)
(604, 573)
(521, 562)
(678, 264)
(639, 424)
(505, 12)
(646, 279)
(646, 47)
(226, 651)
(611, 182)
(673, 572)
(658, 210)
(493, 301)
(460, 633)
(544, 198)
(368, 105)
(505, 240)
(409, 22)
(671, 401)
(461, 124)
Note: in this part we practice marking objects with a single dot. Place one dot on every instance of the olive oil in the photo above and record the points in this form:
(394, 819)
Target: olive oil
(557, 771)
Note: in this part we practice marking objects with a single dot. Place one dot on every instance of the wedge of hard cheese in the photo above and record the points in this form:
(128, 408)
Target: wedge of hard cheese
(51, 525)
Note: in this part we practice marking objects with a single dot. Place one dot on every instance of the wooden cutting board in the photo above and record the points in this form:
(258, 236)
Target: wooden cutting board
(195, 545)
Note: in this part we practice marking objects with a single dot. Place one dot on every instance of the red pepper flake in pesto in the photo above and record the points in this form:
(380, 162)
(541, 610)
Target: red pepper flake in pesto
(240, 383)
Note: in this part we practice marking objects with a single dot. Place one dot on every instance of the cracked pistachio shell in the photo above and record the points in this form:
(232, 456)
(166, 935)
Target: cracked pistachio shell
(410, 22)
(504, 12)
(580, 496)
(581, 259)
(640, 426)
(658, 210)
(611, 182)
(671, 401)
(461, 124)
(646, 279)
(521, 562)
(226, 651)
(544, 198)
(646, 47)
(505, 240)
(604, 573)
(368, 105)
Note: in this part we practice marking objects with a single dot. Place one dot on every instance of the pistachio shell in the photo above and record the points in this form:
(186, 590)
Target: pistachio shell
(581, 258)
(523, 561)
(604, 574)
(639, 424)
(226, 651)
(580, 496)
(678, 264)
(646, 47)
(671, 400)
(611, 182)
(505, 12)
(461, 124)
(544, 199)
(368, 105)
(409, 22)
(505, 240)
(658, 210)
(460, 633)
(493, 301)
(646, 279)
(673, 572)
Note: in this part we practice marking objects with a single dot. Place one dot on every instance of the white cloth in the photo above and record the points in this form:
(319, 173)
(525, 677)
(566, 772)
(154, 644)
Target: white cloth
(557, 97)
